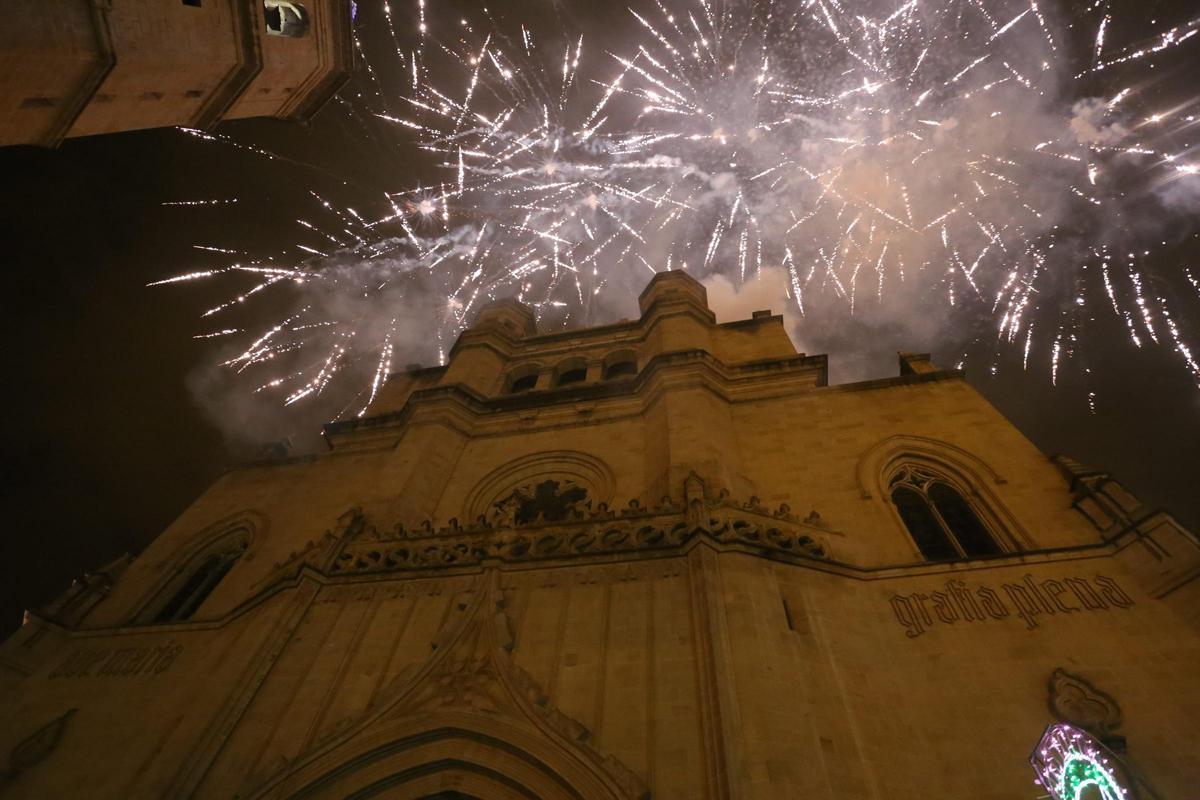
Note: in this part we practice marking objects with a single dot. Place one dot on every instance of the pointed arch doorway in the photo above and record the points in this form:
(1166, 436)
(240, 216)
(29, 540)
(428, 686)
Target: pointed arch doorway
(468, 721)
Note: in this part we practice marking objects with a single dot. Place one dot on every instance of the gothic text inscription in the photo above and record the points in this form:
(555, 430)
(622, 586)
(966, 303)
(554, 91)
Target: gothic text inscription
(91, 662)
(1029, 600)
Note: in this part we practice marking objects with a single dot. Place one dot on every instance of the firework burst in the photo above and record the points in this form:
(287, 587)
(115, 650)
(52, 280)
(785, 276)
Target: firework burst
(958, 167)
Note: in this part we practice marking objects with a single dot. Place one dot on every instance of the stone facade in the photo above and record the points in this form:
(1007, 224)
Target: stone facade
(82, 67)
(659, 558)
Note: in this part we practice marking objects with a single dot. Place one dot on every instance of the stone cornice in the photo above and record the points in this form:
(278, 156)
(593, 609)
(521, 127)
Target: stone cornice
(465, 410)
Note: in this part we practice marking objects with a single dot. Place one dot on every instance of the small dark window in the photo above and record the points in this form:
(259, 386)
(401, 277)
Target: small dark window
(194, 3)
(285, 18)
(199, 584)
(940, 520)
(524, 383)
(577, 375)
(620, 370)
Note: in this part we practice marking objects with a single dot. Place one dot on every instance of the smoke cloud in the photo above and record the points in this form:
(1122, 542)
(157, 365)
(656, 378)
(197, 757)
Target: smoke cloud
(927, 178)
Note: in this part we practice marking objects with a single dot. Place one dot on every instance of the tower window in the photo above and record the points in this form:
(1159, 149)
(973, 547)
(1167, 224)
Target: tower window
(570, 370)
(620, 369)
(285, 18)
(522, 378)
(576, 375)
(198, 581)
(524, 383)
(940, 520)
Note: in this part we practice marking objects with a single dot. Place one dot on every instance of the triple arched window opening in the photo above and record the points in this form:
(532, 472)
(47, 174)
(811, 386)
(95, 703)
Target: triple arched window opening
(942, 522)
(574, 372)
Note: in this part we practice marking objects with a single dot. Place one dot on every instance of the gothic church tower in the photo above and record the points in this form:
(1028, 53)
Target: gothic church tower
(655, 559)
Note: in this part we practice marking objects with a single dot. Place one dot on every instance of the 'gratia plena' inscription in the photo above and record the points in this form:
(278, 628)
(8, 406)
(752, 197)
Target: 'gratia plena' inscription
(1029, 599)
(90, 662)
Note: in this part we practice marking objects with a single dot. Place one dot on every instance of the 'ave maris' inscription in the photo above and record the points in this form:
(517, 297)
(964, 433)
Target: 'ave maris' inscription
(90, 662)
(1029, 599)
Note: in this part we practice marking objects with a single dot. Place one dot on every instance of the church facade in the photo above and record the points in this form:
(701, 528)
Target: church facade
(83, 67)
(655, 559)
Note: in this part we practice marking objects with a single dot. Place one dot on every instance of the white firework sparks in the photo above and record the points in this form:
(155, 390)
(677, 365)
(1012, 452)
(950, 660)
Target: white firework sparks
(936, 160)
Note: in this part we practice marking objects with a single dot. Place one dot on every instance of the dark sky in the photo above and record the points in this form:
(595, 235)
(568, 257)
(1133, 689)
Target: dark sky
(106, 444)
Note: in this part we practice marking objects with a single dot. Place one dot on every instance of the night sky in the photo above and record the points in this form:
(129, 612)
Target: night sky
(106, 443)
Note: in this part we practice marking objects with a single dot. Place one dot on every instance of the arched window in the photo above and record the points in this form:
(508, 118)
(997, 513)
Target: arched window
(620, 369)
(522, 378)
(621, 364)
(571, 371)
(195, 583)
(940, 520)
(523, 383)
(285, 18)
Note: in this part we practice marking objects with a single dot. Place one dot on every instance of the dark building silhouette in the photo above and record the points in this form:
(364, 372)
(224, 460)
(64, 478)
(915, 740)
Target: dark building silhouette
(82, 67)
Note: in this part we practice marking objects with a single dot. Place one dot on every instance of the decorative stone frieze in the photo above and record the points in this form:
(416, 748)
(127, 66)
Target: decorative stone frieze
(590, 531)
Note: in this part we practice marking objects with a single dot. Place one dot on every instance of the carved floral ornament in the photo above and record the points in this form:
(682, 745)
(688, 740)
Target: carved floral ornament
(1076, 701)
(874, 466)
(596, 531)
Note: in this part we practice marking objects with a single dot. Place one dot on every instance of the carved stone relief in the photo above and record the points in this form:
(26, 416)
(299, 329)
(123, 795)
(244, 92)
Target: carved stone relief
(551, 521)
(1076, 701)
(567, 467)
(543, 501)
(470, 687)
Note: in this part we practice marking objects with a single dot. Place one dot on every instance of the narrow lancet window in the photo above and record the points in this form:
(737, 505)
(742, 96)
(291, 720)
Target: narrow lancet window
(620, 369)
(199, 583)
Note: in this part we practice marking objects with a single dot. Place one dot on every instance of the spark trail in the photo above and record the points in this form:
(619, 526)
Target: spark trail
(949, 166)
